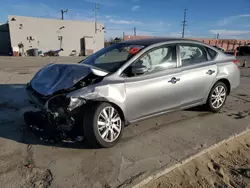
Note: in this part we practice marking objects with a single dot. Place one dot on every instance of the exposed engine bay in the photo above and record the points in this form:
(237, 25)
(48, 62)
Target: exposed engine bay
(62, 113)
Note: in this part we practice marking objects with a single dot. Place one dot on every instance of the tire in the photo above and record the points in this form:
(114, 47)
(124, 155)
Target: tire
(95, 125)
(211, 104)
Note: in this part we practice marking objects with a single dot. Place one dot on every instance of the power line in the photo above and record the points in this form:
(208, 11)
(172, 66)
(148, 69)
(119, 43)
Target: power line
(132, 29)
(184, 23)
(152, 31)
(118, 29)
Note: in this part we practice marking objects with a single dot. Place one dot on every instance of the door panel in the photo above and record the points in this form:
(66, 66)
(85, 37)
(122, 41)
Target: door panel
(197, 81)
(198, 72)
(156, 90)
(147, 96)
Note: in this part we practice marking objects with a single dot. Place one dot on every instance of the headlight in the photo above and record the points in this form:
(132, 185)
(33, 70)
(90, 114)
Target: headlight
(75, 102)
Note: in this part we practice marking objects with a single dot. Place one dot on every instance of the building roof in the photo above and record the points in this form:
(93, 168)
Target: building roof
(16, 17)
(150, 41)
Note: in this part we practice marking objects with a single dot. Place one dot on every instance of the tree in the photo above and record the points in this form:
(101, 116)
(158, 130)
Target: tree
(112, 41)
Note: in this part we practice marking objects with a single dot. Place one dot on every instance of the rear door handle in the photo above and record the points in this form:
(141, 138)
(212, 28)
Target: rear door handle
(174, 80)
(210, 72)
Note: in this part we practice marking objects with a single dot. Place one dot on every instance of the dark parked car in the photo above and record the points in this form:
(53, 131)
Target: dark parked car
(243, 50)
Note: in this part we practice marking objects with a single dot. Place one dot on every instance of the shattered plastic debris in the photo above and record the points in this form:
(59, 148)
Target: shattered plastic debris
(68, 141)
(38, 129)
(46, 140)
(79, 138)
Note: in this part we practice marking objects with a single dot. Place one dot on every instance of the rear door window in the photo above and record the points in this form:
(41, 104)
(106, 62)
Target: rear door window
(192, 54)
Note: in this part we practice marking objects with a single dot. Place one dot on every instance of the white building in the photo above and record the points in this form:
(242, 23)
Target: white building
(51, 34)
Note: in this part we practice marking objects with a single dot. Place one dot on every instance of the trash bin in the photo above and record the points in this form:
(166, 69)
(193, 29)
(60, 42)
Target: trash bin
(16, 54)
(35, 52)
(15, 50)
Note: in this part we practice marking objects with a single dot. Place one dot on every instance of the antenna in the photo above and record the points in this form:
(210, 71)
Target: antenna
(64, 11)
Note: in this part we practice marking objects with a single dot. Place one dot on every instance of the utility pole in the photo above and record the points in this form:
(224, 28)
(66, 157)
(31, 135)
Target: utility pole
(64, 11)
(218, 35)
(96, 10)
(134, 31)
(184, 23)
(123, 35)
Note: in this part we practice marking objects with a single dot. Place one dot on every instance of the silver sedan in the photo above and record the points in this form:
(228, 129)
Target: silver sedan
(131, 81)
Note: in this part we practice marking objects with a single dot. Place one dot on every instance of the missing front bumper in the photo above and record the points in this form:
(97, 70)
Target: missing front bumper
(54, 108)
(39, 125)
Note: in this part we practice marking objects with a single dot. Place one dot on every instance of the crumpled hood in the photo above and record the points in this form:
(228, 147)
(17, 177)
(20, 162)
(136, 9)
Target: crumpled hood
(55, 77)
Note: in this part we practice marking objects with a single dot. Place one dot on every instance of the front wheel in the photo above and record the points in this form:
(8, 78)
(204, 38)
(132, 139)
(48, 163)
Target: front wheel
(217, 97)
(103, 125)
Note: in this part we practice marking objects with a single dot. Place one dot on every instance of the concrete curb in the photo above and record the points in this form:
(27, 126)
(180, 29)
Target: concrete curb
(160, 173)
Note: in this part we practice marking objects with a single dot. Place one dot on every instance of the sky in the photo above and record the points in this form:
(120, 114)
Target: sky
(229, 18)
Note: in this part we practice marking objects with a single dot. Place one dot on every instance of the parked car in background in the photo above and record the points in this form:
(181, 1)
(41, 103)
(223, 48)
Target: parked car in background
(52, 52)
(131, 81)
(243, 50)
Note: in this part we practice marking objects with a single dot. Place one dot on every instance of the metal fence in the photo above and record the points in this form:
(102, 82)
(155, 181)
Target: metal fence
(226, 44)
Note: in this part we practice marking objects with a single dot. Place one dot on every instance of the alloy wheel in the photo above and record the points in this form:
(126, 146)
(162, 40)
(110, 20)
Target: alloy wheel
(109, 124)
(218, 96)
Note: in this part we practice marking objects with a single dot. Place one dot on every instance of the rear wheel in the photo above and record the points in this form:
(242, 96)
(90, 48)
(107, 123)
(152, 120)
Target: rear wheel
(103, 125)
(217, 97)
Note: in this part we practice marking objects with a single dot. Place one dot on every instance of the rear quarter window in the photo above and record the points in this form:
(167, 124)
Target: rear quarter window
(211, 53)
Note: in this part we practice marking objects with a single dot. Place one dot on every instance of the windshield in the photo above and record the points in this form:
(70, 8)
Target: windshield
(112, 57)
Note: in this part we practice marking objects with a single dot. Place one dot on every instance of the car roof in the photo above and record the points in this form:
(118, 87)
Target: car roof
(155, 40)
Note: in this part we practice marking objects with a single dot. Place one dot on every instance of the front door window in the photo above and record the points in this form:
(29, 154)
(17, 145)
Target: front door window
(156, 60)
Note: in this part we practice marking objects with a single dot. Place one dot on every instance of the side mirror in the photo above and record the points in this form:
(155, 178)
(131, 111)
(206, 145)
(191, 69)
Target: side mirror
(139, 69)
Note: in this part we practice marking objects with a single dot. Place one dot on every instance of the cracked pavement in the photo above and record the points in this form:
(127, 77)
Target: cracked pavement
(146, 147)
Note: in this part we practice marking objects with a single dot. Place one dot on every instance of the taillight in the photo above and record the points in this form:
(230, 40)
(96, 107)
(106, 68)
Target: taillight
(237, 63)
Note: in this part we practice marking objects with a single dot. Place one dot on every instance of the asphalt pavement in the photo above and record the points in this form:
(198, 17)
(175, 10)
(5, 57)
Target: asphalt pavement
(146, 147)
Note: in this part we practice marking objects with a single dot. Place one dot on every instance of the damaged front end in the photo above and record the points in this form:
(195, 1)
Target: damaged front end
(52, 95)
(58, 109)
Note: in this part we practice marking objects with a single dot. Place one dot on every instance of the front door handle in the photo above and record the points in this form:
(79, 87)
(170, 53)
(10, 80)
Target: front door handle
(174, 80)
(210, 72)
